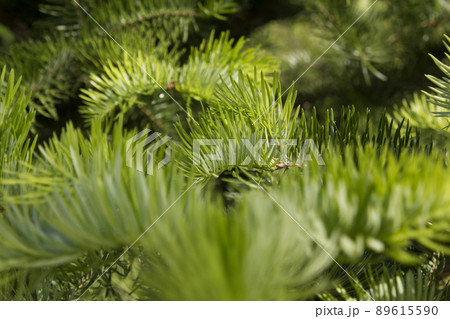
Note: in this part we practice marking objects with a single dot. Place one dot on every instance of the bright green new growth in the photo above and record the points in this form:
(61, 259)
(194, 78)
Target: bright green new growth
(15, 123)
(77, 222)
(121, 85)
(441, 94)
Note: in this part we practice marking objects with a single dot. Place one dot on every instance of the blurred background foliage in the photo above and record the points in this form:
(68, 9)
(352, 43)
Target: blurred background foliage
(379, 61)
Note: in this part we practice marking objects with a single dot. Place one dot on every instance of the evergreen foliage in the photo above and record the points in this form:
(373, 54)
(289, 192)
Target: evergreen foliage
(395, 285)
(77, 222)
(372, 60)
(441, 93)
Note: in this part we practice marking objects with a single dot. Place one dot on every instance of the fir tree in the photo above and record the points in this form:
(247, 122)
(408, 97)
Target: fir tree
(77, 222)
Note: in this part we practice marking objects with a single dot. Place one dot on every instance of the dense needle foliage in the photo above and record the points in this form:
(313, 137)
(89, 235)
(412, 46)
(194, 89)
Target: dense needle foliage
(78, 222)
